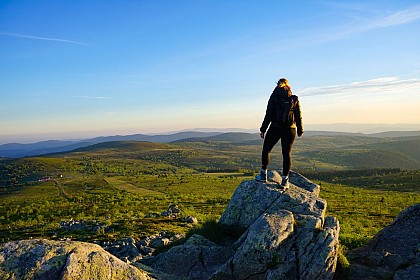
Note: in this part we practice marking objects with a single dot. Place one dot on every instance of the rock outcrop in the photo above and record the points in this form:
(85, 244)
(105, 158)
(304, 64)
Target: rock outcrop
(394, 253)
(45, 259)
(286, 236)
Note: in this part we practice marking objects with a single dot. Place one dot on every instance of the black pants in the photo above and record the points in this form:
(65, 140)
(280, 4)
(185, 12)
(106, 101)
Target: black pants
(273, 135)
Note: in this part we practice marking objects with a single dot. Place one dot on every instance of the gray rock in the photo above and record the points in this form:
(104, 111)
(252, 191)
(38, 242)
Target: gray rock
(301, 181)
(287, 237)
(296, 179)
(44, 259)
(402, 236)
(251, 199)
(148, 251)
(126, 240)
(144, 242)
(159, 242)
(278, 246)
(177, 237)
(197, 258)
(393, 251)
(191, 220)
(173, 210)
(318, 259)
(127, 252)
(410, 273)
(262, 243)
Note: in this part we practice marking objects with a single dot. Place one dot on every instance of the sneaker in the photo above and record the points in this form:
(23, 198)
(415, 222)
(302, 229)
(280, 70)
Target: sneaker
(262, 177)
(284, 182)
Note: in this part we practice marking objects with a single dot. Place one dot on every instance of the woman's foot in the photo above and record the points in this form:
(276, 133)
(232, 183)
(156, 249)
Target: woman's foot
(262, 177)
(284, 182)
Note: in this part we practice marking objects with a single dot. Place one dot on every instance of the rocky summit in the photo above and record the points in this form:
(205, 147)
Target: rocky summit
(284, 235)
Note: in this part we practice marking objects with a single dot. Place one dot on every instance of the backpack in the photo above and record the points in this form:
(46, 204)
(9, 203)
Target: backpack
(285, 110)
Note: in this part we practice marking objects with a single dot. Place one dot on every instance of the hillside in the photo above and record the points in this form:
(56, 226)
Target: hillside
(365, 152)
(323, 152)
(230, 152)
(16, 150)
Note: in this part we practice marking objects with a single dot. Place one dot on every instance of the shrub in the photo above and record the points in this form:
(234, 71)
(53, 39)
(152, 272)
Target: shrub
(343, 264)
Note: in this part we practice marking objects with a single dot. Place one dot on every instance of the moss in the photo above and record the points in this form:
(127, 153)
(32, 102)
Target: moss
(343, 265)
(274, 261)
(216, 232)
(211, 230)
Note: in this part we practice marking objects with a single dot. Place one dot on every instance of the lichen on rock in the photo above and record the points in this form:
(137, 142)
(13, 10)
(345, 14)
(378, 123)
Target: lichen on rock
(46, 259)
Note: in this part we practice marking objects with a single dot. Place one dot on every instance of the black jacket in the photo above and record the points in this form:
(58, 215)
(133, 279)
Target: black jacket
(283, 110)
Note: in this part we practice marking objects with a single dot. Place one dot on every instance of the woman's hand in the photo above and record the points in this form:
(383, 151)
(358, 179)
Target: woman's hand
(262, 135)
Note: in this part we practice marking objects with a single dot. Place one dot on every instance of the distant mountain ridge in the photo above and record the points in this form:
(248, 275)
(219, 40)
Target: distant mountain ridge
(16, 150)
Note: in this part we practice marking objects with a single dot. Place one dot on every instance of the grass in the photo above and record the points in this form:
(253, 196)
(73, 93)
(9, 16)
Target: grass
(363, 212)
(122, 185)
(36, 209)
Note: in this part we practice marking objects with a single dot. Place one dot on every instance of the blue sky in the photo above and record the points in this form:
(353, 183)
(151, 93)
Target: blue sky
(72, 69)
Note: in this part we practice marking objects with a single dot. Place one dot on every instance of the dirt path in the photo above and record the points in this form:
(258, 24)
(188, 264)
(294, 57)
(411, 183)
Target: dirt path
(62, 192)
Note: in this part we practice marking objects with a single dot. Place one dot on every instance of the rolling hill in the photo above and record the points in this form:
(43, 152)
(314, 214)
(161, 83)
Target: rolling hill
(227, 152)
(15, 150)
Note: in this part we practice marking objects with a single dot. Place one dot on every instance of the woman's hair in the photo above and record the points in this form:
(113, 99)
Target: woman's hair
(283, 83)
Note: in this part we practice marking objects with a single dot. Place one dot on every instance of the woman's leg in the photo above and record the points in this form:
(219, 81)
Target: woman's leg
(287, 138)
(270, 139)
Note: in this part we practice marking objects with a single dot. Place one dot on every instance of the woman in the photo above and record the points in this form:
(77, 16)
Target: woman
(284, 117)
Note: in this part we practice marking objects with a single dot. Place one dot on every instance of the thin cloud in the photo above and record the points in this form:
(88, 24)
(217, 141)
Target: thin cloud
(25, 36)
(379, 85)
(398, 18)
(371, 23)
(359, 24)
(90, 97)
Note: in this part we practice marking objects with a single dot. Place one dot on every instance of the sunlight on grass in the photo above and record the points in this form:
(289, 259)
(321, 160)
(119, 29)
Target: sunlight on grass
(363, 212)
(122, 185)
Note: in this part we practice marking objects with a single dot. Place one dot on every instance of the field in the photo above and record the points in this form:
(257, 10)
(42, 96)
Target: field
(36, 209)
(119, 189)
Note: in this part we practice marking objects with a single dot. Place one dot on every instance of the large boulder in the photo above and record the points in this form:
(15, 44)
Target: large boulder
(45, 259)
(251, 199)
(287, 236)
(394, 253)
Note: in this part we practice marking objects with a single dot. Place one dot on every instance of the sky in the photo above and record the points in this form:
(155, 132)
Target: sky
(74, 69)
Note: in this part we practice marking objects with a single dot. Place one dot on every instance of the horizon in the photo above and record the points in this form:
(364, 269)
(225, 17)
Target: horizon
(86, 69)
(334, 127)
